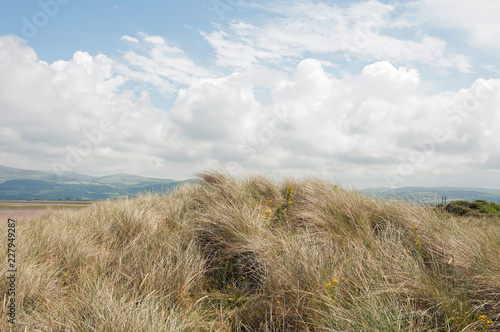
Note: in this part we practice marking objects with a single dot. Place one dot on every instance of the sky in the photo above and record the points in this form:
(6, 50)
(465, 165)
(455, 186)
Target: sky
(368, 93)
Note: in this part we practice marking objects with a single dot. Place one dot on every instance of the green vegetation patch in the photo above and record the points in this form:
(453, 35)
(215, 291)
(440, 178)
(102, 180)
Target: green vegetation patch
(476, 208)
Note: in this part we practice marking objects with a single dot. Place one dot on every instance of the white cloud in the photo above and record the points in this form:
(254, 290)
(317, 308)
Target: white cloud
(155, 40)
(359, 30)
(278, 106)
(161, 65)
(402, 78)
(129, 39)
(478, 18)
(372, 124)
(60, 114)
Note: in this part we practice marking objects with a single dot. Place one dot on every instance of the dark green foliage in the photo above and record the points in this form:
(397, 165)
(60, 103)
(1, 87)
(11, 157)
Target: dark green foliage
(459, 208)
(478, 207)
(487, 207)
(478, 203)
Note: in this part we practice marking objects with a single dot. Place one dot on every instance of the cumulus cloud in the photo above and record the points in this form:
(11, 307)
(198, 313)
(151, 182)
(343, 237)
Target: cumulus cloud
(70, 114)
(275, 99)
(376, 124)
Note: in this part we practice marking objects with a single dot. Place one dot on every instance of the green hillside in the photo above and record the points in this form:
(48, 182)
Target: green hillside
(19, 184)
(9, 173)
(49, 190)
(435, 195)
(132, 180)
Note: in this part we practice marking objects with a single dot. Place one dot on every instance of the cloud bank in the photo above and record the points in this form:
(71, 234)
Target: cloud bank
(273, 100)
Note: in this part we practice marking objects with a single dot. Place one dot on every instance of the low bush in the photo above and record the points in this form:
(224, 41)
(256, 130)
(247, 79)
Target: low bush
(476, 208)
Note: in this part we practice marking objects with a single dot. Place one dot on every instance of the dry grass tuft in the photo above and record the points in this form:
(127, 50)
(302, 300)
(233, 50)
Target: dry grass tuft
(256, 255)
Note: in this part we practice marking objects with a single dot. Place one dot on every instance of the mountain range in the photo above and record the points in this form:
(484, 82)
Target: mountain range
(20, 184)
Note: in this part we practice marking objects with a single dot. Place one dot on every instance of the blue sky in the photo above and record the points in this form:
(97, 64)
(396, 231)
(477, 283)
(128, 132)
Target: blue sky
(96, 26)
(374, 93)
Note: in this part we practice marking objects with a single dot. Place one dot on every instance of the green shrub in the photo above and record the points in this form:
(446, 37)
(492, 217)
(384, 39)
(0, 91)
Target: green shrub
(491, 208)
(460, 208)
(476, 208)
(478, 203)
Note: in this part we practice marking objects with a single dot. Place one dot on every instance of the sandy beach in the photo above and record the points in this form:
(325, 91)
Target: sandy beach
(16, 209)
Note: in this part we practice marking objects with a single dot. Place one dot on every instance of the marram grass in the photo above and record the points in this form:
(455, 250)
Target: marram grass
(255, 255)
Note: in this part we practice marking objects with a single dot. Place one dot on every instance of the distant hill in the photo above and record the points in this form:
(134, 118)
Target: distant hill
(9, 173)
(431, 195)
(20, 184)
(130, 180)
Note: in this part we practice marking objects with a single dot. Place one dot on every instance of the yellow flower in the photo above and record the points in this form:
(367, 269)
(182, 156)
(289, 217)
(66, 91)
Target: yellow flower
(482, 317)
(230, 299)
(228, 286)
(415, 227)
(327, 285)
(243, 278)
(334, 281)
(489, 321)
(268, 211)
(289, 202)
(270, 201)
